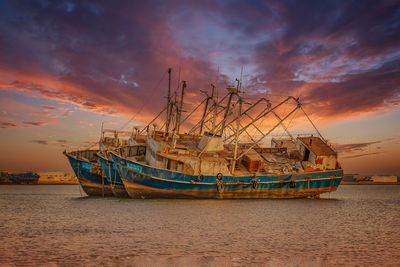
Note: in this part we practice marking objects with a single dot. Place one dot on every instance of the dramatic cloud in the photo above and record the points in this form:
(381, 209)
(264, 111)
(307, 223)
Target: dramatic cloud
(361, 155)
(362, 146)
(46, 107)
(104, 57)
(340, 62)
(353, 147)
(108, 56)
(34, 123)
(8, 125)
(61, 143)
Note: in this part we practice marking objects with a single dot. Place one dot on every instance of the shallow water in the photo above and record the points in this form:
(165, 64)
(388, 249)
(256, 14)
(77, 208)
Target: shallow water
(54, 225)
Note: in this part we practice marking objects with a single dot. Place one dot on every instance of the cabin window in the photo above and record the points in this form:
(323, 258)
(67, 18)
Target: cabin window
(168, 164)
(142, 150)
(306, 154)
(180, 167)
(133, 151)
(174, 165)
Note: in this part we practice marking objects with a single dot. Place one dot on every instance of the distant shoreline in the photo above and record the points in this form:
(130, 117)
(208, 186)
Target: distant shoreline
(369, 183)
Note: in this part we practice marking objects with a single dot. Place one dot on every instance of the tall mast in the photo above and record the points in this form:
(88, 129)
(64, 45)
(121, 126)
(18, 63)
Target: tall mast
(239, 113)
(168, 102)
(178, 120)
(206, 107)
(226, 112)
(232, 91)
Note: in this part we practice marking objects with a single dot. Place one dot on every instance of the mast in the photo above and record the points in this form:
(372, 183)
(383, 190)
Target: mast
(232, 91)
(237, 135)
(226, 111)
(102, 132)
(206, 107)
(298, 106)
(178, 119)
(168, 102)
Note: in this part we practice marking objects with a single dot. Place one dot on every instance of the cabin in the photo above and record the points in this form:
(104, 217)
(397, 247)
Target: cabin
(211, 143)
(290, 145)
(316, 154)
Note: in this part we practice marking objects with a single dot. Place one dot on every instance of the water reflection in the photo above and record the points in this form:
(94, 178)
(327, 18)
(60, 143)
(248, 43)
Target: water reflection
(358, 225)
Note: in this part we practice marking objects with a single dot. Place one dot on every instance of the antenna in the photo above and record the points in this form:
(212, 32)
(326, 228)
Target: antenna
(168, 101)
(241, 77)
(180, 107)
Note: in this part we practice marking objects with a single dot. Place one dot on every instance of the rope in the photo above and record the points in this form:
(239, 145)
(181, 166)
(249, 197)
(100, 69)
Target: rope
(288, 125)
(144, 103)
(320, 135)
(90, 145)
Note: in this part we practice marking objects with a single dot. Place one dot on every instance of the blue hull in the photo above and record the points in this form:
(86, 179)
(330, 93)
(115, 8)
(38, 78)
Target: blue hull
(89, 177)
(112, 176)
(142, 181)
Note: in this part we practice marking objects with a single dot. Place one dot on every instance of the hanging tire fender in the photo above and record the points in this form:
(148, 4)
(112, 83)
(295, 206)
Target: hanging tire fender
(219, 183)
(254, 182)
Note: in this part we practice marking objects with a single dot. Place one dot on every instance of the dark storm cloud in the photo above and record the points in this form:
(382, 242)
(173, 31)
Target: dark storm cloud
(97, 54)
(341, 56)
(358, 93)
(107, 56)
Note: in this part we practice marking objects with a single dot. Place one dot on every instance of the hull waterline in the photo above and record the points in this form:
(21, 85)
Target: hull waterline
(112, 176)
(91, 181)
(143, 181)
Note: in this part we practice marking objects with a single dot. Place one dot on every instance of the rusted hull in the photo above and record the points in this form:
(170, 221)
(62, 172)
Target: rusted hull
(92, 182)
(137, 190)
(112, 176)
(119, 191)
(143, 181)
(95, 189)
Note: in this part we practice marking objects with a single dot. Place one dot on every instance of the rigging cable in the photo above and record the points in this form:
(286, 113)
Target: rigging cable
(92, 144)
(320, 135)
(144, 103)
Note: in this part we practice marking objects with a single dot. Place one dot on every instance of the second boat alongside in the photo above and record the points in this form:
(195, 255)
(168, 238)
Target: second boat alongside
(89, 173)
(112, 176)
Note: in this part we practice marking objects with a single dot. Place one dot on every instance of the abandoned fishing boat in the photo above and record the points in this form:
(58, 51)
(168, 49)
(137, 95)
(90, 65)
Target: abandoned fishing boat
(111, 174)
(93, 176)
(109, 168)
(176, 176)
(89, 173)
(219, 157)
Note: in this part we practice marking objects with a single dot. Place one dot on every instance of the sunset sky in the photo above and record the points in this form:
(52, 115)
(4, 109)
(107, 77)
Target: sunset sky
(68, 66)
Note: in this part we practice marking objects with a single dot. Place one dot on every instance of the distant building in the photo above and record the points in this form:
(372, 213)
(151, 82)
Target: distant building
(57, 178)
(384, 179)
(350, 177)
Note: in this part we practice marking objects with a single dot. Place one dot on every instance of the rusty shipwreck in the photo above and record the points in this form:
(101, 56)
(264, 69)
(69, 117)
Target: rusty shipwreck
(224, 155)
(96, 172)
